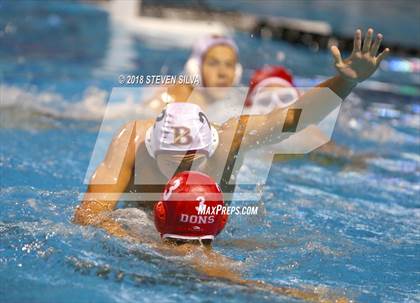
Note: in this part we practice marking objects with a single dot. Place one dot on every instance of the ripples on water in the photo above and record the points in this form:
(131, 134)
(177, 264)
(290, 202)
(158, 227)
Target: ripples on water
(355, 231)
(327, 223)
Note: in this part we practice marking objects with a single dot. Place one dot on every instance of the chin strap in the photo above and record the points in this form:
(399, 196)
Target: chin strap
(214, 141)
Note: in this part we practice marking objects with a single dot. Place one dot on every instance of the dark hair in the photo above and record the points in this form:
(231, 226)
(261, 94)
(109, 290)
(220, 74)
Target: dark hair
(176, 241)
(187, 161)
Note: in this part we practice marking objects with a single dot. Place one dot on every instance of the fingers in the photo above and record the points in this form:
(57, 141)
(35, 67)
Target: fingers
(357, 43)
(336, 54)
(375, 46)
(382, 56)
(368, 41)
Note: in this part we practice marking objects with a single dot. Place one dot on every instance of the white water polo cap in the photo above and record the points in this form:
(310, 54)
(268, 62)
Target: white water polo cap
(193, 66)
(181, 127)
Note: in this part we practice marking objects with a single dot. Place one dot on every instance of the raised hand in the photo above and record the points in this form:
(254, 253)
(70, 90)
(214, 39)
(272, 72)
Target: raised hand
(362, 62)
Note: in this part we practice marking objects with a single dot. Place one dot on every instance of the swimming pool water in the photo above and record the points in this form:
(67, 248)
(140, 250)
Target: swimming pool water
(327, 224)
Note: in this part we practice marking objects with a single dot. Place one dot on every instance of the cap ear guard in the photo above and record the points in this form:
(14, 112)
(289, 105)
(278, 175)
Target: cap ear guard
(214, 141)
(192, 69)
(238, 74)
(148, 142)
(160, 216)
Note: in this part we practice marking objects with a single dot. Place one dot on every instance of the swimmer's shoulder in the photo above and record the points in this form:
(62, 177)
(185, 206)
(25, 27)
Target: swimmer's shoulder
(168, 94)
(133, 130)
(141, 127)
(180, 92)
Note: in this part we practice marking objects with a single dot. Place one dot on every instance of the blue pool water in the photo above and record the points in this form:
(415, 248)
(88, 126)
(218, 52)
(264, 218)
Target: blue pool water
(327, 224)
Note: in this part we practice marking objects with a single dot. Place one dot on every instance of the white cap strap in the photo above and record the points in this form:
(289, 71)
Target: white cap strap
(173, 236)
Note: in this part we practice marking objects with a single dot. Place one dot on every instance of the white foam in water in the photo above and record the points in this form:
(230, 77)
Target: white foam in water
(397, 166)
(23, 103)
(411, 156)
(90, 107)
(138, 223)
(355, 119)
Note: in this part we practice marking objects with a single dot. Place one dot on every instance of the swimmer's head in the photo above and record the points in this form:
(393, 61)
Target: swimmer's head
(214, 60)
(218, 66)
(182, 215)
(271, 87)
(182, 138)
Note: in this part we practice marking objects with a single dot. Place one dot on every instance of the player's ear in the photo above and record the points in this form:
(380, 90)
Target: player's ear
(160, 215)
(160, 117)
(203, 118)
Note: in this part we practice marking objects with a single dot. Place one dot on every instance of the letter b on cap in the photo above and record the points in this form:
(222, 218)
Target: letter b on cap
(182, 135)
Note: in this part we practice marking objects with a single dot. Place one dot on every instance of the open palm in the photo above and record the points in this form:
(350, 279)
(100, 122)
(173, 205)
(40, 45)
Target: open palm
(362, 62)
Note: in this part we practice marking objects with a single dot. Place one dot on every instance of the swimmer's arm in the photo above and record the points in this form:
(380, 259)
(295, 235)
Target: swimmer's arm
(339, 85)
(213, 264)
(109, 182)
(218, 270)
(253, 131)
(308, 296)
(218, 266)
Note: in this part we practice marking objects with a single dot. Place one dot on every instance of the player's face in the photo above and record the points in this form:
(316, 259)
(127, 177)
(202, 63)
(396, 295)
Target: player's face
(170, 164)
(218, 66)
